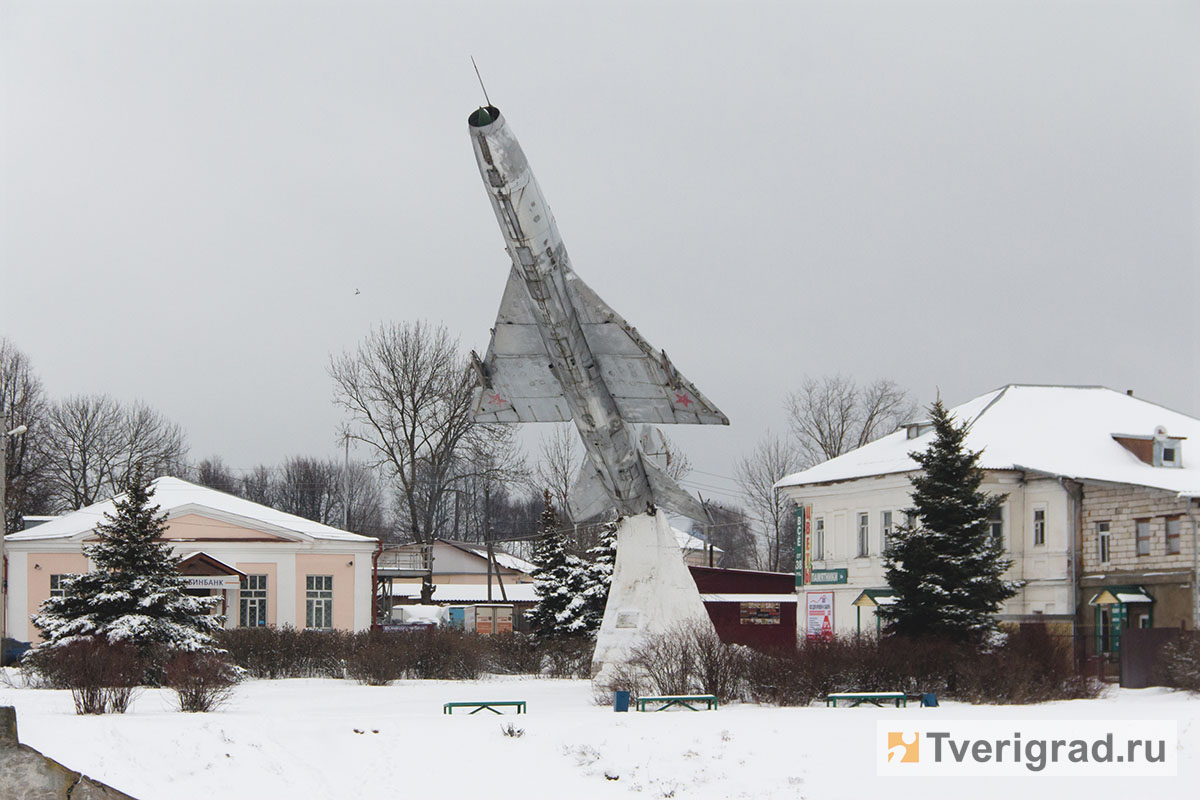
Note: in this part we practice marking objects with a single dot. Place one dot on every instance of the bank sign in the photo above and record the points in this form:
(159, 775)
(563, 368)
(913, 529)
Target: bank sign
(211, 581)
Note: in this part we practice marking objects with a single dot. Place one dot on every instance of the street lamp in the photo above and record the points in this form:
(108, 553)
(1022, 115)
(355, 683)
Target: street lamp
(17, 431)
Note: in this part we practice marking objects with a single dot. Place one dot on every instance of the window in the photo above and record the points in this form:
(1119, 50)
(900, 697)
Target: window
(1173, 527)
(1039, 526)
(996, 525)
(319, 605)
(885, 530)
(1104, 535)
(254, 601)
(1142, 527)
(864, 533)
(1167, 452)
(818, 553)
(56, 586)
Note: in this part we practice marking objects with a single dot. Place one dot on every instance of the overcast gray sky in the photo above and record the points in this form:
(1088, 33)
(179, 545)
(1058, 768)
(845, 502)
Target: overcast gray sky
(951, 195)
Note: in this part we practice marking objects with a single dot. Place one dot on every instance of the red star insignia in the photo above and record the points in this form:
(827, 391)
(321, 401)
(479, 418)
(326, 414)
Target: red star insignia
(683, 400)
(495, 399)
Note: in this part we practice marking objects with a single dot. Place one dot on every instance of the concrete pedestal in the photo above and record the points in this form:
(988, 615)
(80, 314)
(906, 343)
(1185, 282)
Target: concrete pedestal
(652, 592)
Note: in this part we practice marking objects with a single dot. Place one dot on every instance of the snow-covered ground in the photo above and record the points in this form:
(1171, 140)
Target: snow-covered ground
(336, 739)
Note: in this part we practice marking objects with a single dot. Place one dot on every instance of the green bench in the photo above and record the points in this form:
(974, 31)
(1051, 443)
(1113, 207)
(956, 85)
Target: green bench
(493, 706)
(877, 699)
(685, 700)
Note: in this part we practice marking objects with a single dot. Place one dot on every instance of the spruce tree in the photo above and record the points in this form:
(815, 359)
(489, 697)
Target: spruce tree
(945, 566)
(596, 578)
(553, 577)
(135, 593)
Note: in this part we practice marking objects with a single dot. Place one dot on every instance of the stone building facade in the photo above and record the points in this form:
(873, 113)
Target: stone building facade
(1102, 501)
(1142, 540)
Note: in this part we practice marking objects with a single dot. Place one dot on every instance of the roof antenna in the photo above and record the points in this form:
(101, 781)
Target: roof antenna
(481, 86)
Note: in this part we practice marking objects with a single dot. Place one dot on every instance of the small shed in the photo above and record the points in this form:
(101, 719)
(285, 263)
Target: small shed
(757, 609)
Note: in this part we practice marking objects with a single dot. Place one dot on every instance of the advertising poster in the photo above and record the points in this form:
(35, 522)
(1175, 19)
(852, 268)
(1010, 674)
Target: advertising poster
(820, 615)
(759, 613)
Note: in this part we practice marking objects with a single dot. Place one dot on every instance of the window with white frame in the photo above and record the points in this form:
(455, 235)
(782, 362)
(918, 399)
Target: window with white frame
(885, 530)
(996, 525)
(56, 586)
(318, 601)
(818, 553)
(1104, 536)
(253, 601)
(1142, 535)
(1039, 526)
(1174, 526)
(864, 534)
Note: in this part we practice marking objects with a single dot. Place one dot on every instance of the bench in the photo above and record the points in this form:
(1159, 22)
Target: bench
(689, 701)
(877, 699)
(491, 705)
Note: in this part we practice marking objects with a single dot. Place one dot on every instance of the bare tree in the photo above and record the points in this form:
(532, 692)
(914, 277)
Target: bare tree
(679, 466)
(731, 531)
(92, 443)
(149, 439)
(366, 502)
(257, 485)
(834, 415)
(213, 473)
(309, 488)
(81, 438)
(756, 474)
(560, 455)
(407, 391)
(22, 403)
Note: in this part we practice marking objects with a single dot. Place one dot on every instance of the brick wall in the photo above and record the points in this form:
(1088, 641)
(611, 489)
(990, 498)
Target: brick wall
(1121, 507)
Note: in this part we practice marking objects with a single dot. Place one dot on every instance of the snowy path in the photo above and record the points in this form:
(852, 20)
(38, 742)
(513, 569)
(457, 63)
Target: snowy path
(296, 738)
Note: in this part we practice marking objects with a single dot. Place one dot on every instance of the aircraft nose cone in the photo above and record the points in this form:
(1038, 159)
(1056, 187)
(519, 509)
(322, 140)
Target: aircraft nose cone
(483, 116)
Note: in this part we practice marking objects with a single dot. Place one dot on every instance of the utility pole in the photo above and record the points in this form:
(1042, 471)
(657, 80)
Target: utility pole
(487, 534)
(17, 431)
(346, 485)
(491, 551)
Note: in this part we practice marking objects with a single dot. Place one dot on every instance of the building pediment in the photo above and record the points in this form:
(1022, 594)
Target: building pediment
(195, 523)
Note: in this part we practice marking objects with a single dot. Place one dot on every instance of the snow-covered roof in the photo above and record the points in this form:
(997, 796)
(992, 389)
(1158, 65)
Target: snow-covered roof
(1059, 430)
(731, 597)
(506, 560)
(690, 543)
(469, 592)
(178, 497)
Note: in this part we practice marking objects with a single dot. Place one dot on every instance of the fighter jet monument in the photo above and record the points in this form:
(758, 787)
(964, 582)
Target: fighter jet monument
(559, 353)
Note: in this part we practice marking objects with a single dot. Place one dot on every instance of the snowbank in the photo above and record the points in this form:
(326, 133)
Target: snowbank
(334, 739)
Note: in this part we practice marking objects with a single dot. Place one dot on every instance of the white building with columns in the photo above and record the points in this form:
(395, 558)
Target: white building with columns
(268, 567)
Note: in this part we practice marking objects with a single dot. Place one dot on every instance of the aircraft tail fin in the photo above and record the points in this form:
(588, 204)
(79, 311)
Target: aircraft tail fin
(670, 495)
(589, 497)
